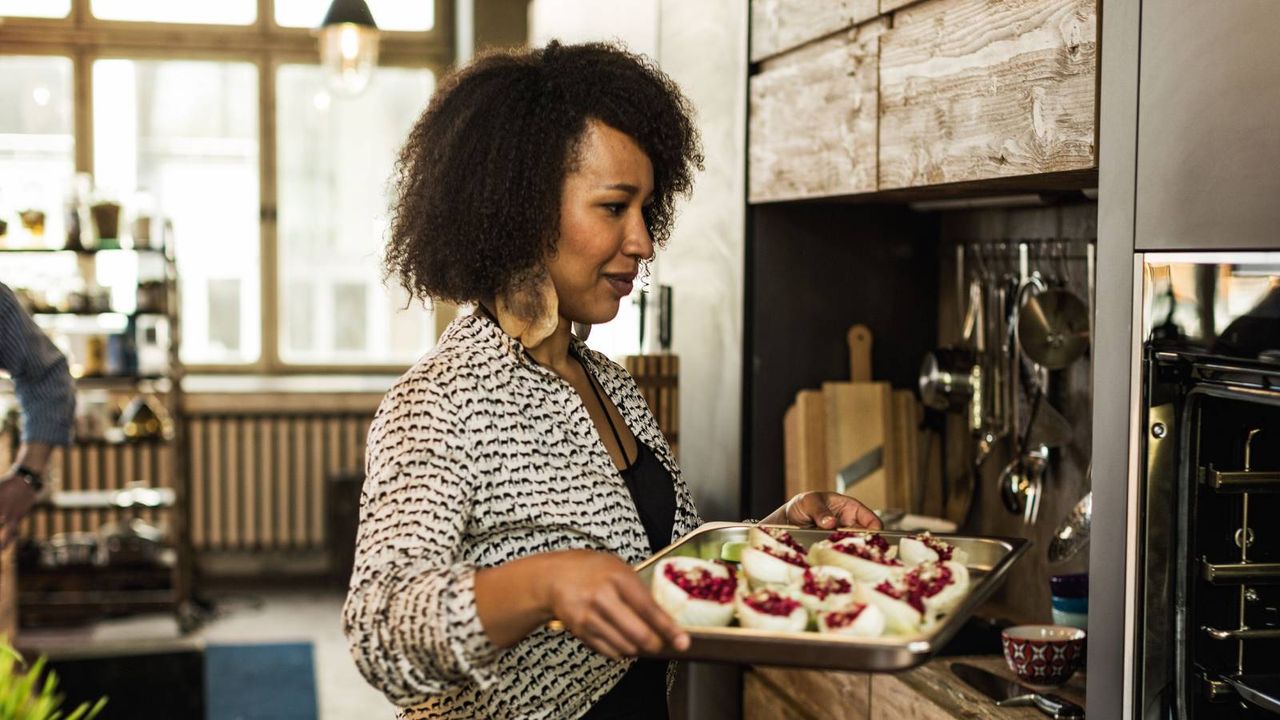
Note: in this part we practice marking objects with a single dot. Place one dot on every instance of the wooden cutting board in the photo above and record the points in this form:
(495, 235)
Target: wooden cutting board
(859, 420)
(805, 436)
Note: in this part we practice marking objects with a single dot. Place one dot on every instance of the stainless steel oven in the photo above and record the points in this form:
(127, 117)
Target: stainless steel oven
(1208, 589)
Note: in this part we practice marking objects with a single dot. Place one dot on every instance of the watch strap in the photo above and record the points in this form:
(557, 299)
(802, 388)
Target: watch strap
(30, 477)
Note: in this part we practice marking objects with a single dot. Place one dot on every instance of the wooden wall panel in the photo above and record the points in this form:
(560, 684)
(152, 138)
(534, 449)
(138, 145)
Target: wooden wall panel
(973, 89)
(814, 115)
(780, 25)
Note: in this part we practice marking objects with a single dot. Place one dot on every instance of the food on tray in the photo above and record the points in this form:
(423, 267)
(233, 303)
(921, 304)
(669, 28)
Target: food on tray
(916, 549)
(770, 609)
(866, 556)
(824, 588)
(857, 619)
(769, 566)
(732, 551)
(695, 592)
(762, 538)
(915, 600)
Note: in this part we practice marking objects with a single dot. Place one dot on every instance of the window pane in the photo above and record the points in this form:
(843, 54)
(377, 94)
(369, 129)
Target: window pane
(35, 8)
(37, 148)
(187, 134)
(222, 12)
(334, 167)
(410, 15)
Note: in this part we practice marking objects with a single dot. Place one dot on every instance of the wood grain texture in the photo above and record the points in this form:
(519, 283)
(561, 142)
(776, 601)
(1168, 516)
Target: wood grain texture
(933, 692)
(859, 420)
(822, 693)
(973, 89)
(888, 6)
(762, 701)
(813, 119)
(805, 430)
(780, 25)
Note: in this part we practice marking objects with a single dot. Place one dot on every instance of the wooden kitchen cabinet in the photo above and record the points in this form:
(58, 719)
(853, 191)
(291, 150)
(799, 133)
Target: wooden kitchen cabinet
(762, 701)
(821, 694)
(813, 119)
(780, 25)
(976, 90)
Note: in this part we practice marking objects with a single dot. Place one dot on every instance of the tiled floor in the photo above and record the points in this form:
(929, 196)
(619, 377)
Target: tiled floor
(273, 616)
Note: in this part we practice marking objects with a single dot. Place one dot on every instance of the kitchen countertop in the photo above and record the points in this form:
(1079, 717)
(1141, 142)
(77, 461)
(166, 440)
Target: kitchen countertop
(929, 692)
(948, 696)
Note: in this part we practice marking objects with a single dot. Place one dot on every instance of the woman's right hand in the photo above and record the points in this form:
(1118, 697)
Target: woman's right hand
(602, 601)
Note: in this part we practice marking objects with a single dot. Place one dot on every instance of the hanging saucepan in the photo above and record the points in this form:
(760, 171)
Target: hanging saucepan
(1053, 327)
(950, 378)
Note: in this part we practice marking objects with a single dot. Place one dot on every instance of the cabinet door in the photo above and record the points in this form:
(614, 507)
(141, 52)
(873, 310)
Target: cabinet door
(813, 119)
(823, 693)
(1208, 141)
(977, 90)
(780, 25)
(760, 701)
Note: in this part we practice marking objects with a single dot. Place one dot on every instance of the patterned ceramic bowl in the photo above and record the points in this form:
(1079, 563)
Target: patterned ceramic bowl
(1043, 654)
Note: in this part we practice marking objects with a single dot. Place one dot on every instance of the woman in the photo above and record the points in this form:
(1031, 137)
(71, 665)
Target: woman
(515, 475)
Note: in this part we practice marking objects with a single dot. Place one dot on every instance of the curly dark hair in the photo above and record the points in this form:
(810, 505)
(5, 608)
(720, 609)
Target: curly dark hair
(479, 180)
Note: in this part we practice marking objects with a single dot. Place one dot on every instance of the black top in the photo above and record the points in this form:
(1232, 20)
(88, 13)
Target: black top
(642, 691)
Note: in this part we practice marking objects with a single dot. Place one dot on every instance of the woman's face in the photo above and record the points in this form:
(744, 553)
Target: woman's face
(603, 236)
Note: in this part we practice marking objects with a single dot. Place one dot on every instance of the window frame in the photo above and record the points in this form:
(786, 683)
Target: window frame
(85, 39)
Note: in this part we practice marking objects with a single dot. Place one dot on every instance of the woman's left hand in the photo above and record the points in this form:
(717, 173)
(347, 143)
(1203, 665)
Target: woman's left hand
(826, 510)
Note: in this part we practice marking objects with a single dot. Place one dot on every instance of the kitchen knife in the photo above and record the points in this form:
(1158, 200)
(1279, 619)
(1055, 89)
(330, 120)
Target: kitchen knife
(1007, 693)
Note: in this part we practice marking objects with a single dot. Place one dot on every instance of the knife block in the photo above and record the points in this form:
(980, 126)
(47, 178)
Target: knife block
(658, 377)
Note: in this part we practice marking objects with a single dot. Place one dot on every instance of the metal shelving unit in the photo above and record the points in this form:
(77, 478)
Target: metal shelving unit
(89, 589)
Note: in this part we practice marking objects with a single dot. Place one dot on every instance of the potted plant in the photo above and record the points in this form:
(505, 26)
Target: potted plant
(26, 696)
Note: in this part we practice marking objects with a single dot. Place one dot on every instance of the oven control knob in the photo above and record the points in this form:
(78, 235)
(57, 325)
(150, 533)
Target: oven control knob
(1159, 430)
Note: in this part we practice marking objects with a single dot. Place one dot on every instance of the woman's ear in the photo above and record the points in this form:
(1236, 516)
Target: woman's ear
(529, 312)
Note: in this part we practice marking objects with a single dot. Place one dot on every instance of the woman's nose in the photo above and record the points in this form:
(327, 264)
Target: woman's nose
(638, 242)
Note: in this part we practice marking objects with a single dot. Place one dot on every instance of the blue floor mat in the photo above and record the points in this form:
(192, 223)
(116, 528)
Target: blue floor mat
(260, 682)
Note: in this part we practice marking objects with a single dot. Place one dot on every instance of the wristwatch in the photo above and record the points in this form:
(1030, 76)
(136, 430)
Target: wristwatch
(30, 477)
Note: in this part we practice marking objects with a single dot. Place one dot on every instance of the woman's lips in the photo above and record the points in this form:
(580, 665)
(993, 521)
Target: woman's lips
(621, 284)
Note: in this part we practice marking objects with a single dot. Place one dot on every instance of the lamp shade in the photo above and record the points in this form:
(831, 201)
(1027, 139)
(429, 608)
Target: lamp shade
(348, 46)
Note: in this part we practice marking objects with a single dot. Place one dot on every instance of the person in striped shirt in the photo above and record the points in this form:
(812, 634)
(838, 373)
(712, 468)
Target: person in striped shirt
(46, 396)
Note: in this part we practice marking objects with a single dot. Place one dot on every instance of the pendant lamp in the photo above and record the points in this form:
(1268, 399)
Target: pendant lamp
(348, 46)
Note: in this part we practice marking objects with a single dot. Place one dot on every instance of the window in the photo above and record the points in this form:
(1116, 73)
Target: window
(37, 146)
(388, 14)
(333, 218)
(35, 8)
(178, 94)
(187, 133)
(224, 12)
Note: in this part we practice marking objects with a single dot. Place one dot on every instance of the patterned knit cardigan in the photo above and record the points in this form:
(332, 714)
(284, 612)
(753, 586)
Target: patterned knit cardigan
(478, 456)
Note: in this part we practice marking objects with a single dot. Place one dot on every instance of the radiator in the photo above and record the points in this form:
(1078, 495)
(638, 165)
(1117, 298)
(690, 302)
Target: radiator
(257, 480)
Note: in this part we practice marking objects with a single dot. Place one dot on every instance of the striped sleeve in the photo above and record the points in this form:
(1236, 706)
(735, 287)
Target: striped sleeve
(40, 376)
(410, 615)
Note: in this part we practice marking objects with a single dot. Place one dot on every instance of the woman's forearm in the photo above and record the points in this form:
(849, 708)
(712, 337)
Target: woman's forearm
(511, 598)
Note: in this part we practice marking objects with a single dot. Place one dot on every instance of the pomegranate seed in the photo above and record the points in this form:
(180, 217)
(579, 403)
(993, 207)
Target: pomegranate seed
(702, 585)
(789, 558)
(770, 602)
(785, 538)
(843, 618)
(821, 588)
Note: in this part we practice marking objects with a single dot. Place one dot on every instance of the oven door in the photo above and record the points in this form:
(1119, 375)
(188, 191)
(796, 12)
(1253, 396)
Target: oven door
(1210, 379)
(1210, 559)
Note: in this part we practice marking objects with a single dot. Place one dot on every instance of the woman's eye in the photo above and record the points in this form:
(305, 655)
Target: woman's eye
(615, 208)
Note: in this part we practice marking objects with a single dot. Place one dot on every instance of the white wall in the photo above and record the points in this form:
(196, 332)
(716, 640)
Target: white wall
(702, 45)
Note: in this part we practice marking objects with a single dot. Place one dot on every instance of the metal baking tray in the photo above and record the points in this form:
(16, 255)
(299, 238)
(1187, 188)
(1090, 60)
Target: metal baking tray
(989, 560)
